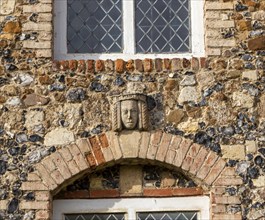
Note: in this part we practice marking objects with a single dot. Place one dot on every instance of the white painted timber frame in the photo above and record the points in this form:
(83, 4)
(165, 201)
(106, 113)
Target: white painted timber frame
(130, 206)
(60, 35)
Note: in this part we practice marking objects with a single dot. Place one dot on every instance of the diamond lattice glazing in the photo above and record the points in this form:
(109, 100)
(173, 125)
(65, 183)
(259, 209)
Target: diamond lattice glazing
(100, 216)
(162, 26)
(167, 216)
(94, 26)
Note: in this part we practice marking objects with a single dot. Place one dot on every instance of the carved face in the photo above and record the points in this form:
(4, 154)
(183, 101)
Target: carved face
(129, 114)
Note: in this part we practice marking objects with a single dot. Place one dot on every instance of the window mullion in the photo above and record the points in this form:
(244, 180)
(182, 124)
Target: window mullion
(128, 27)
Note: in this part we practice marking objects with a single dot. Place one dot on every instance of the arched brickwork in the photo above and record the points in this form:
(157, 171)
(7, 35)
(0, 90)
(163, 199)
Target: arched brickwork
(86, 154)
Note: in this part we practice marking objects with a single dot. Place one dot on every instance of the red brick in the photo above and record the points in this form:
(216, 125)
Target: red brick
(226, 199)
(195, 64)
(33, 186)
(42, 195)
(72, 65)
(182, 151)
(129, 66)
(45, 176)
(81, 67)
(90, 66)
(187, 191)
(78, 157)
(34, 205)
(186, 63)
(218, 208)
(103, 140)
(55, 65)
(172, 149)
(105, 193)
(227, 181)
(91, 159)
(148, 65)
(74, 169)
(139, 65)
(97, 150)
(218, 190)
(64, 65)
(61, 165)
(215, 171)
(99, 65)
(203, 62)
(153, 146)
(158, 65)
(80, 194)
(207, 165)
(198, 161)
(163, 147)
(228, 171)
(56, 175)
(192, 153)
(167, 64)
(227, 217)
(119, 66)
(158, 192)
(176, 64)
(42, 215)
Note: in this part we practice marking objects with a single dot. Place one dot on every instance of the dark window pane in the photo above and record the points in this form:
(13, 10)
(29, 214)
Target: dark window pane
(94, 26)
(162, 26)
(167, 215)
(100, 216)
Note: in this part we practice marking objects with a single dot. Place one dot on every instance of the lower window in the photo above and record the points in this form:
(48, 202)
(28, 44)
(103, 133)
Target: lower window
(184, 208)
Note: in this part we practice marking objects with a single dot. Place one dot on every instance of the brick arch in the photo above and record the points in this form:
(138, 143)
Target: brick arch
(87, 154)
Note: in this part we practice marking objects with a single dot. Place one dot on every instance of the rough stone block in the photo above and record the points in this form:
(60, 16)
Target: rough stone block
(130, 180)
(233, 152)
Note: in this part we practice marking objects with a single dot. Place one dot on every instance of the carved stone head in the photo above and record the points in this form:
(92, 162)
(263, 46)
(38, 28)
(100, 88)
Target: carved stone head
(130, 112)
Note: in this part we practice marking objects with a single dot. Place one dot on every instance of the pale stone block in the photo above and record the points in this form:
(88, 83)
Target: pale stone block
(218, 5)
(7, 6)
(129, 142)
(44, 53)
(243, 100)
(41, 26)
(188, 94)
(130, 180)
(59, 136)
(234, 152)
(251, 146)
(37, 45)
(213, 52)
(37, 8)
(251, 75)
(34, 118)
(220, 24)
(189, 126)
(3, 204)
(221, 43)
(260, 182)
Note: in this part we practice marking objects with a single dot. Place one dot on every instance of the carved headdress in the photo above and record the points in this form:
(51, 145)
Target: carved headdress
(142, 123)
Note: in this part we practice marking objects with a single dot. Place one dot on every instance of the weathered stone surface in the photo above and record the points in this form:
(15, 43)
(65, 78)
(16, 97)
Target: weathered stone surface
(34, 99)
(205, 79)
(131, 180)
(13, 27)
(251, 146)
(59, 136)
(243, 100)
(189, 126)
(250, 75)
(259, 182)
(257, 43)
(14, 101)
(233, 152)
(261, 106)
(175, 116)
(188, 94)
(7, 6)
(34, 118)
(72, 113)
(188, 80)
(25, 79)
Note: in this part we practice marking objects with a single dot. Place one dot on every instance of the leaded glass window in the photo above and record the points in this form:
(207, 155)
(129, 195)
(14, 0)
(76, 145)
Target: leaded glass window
(167, 216)
(94, 26)
(98, 216)
(128, 29)
(162, 26)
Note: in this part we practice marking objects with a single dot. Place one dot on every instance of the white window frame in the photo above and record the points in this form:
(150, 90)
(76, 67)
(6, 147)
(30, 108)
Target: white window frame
(60, 35)
(130, 206)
